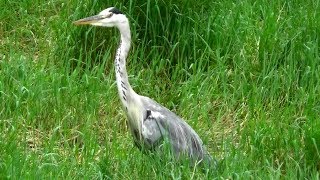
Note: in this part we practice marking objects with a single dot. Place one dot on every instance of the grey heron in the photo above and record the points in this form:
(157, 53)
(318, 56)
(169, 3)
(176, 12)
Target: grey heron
(149, 122)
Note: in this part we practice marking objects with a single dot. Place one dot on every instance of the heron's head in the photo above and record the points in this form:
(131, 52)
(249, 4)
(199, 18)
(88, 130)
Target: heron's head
(108, 18)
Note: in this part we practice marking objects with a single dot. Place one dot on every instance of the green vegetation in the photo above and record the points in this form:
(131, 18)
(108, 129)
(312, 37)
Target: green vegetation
(244, 74)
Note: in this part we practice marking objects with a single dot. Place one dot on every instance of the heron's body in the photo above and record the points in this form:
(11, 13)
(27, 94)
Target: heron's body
(149, 122)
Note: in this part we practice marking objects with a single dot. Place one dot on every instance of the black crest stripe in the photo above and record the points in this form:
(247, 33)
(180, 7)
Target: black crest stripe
(115, 11)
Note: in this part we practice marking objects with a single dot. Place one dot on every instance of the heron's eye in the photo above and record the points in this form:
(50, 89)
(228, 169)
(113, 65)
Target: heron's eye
(109, 15)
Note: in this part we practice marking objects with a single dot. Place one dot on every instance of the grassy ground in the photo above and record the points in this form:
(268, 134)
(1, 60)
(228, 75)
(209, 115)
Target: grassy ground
(244, 74)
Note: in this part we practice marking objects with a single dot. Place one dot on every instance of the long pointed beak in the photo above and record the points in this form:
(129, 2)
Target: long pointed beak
(89, 20)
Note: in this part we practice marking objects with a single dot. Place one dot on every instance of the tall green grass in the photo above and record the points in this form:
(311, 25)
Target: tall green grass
(244, 74)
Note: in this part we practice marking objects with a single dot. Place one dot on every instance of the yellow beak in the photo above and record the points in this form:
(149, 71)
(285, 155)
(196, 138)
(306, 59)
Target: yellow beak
(89, 20)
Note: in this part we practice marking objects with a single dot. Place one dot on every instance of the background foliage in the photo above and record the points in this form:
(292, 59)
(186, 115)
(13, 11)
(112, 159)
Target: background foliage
(244, 74)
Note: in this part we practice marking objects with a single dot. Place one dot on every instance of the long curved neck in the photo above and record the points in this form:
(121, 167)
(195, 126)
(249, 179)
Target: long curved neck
(124, 89)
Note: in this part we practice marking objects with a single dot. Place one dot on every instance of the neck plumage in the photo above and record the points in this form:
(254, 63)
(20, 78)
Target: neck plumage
(124, 89)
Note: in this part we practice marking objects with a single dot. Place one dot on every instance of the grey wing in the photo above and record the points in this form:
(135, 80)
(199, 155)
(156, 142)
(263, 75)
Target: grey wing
(152, 131)
(161, 123)
(183, 139)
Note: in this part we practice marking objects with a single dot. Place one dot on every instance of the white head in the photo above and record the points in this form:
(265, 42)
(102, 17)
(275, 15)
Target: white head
(109, 17)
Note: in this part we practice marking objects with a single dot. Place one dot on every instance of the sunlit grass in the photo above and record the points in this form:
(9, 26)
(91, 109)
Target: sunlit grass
(244, 75)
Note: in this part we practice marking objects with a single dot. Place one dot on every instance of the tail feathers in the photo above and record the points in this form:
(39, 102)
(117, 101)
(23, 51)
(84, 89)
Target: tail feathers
(208, 162)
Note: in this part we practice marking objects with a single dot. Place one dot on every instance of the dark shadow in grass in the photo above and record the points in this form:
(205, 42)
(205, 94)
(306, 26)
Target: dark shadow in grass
(312, 145)
(105, 167)
(163, 159)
